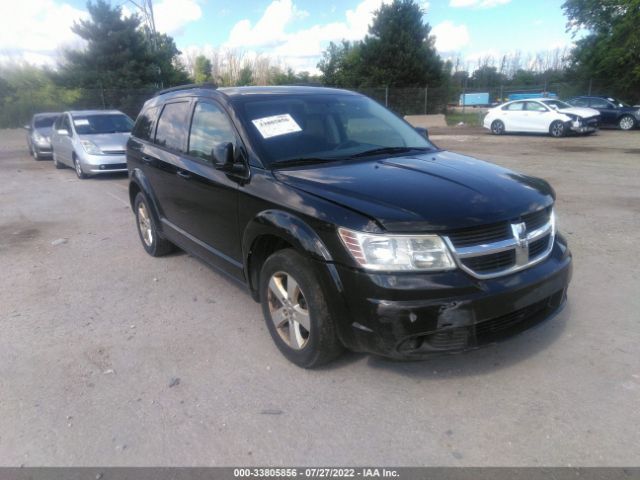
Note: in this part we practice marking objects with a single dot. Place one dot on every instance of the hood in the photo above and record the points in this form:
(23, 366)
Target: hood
(580, 111)
(108, 141)
(427, 192)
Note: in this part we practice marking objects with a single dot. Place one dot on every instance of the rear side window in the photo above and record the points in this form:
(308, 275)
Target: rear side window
(514, 106)
(143, 129)
(172, 126)
(600, 103)
(210, 127)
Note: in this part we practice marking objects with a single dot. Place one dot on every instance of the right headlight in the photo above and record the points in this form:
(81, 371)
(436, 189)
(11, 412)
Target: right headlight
(90, 147)
(397, 252)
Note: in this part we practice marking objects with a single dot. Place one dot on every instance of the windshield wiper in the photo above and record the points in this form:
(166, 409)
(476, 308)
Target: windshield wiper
(383, 150)
(293, 162)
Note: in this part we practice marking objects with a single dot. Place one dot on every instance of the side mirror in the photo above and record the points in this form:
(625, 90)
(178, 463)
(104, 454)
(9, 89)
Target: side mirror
(224, 158)
(422, 131)
(63, 131)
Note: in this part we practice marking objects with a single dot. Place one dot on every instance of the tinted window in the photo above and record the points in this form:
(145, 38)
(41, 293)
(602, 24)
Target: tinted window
(535, 107)
(44, 122)
(579, 102)
(322, 126)
(600, 103)
(210, 127)
(514, 106)
(66, 124)
(172, 126)
(102, 123)
(143, 129)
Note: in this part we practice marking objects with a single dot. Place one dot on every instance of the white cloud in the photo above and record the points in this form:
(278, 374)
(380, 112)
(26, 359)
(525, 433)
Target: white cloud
(32, 30)
(171, 16)
(450, 37)
(477, 3)
(300, 49)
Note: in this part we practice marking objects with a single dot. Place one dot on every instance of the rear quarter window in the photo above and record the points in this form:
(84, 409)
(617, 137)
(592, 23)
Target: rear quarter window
(172, 126)
(145, 123)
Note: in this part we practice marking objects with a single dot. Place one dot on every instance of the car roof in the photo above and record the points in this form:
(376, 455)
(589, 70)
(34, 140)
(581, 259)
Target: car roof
(46, 114)
(93, 112)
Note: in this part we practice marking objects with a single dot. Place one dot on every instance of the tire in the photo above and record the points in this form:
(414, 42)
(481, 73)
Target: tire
(154, 244)
(313, 341)
(556, 129)
(626, 122)
(497, 127)
(56, 163)
(35, 154)
(78, 168)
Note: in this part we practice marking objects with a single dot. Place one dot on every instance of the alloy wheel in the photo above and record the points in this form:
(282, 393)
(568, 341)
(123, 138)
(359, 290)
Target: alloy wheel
(289, 310)
(144, 224)
(497, 127)
(626, 123)
(557, 129)
(76, 163)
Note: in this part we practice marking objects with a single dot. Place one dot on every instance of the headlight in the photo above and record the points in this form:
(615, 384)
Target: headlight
(90, 147)
(397, 252)
(37, 137)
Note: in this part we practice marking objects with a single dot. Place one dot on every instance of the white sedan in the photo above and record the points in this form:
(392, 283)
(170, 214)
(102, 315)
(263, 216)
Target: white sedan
(542, 115)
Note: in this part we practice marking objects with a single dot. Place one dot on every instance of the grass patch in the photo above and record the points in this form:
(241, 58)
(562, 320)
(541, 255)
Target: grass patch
(473, 119)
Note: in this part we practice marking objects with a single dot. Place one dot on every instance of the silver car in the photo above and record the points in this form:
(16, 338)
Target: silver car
(91, 141)
(39, 134)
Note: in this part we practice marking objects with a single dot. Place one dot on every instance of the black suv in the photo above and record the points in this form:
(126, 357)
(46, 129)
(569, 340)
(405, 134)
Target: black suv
(346, 223)
(613, 112)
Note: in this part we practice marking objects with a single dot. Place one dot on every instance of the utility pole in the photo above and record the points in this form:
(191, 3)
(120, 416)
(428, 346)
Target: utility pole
(145, 8)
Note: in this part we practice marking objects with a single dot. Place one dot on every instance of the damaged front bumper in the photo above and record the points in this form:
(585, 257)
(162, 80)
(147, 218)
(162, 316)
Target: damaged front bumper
(415, 315)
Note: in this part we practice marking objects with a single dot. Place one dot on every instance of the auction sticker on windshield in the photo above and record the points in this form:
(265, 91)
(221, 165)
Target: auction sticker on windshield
(276, 125)
(79, 122)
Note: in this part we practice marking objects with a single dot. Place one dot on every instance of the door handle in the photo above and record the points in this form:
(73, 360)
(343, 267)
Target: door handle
(184, 174)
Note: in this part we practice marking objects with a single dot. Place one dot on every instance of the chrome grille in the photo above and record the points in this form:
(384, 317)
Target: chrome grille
(501, 249)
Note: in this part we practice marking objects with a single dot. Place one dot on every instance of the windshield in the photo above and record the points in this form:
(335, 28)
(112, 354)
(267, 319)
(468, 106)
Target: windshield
(102, 123)
(324, 127)
(44, 122)
(556, 103)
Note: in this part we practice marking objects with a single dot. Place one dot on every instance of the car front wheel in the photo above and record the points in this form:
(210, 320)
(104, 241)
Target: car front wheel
(78, 168)
(627, 122)
(557, 129)
(296, 311)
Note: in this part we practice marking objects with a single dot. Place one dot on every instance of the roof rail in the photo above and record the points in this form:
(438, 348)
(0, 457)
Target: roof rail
(189, 86)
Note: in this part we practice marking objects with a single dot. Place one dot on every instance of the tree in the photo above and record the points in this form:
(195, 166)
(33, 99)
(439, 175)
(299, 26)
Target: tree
(340, 64)
(202, 69)
(610, 54)
(118, 54)
(245, 77)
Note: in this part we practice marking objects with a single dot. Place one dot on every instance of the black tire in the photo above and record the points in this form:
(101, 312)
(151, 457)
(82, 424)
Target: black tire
(626, 122)
(557, 129)
(321, 344)
(56, 163)
(78, 168)
(35, 154)
(497, 127)
(155, 245)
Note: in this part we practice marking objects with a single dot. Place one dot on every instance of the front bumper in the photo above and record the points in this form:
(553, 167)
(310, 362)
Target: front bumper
(415, 315)
(95, 164)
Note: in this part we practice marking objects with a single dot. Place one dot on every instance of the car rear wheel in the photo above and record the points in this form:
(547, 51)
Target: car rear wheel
(626, 122)
(154, 244)
(56, 163)
(296, 311)
(557, 129)
(497, 127)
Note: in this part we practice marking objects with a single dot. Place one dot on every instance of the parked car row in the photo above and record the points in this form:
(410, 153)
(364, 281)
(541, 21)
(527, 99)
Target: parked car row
(89, 141)
(348, 225)
(581, 115)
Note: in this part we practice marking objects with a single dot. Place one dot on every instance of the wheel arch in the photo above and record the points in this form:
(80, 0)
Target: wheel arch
(273, 230)
(139, 183)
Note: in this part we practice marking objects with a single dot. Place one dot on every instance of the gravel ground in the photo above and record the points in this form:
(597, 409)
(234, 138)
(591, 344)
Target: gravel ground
(110, 357)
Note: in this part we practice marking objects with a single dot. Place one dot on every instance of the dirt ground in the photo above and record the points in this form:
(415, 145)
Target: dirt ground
(110, 357)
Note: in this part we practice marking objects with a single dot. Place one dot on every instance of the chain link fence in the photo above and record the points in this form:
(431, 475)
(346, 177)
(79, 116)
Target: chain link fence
(17, 108)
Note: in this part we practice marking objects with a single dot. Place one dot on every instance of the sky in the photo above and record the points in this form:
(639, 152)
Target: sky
(294, 32)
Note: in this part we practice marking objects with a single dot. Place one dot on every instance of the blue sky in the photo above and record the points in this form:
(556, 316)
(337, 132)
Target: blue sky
(295, 31)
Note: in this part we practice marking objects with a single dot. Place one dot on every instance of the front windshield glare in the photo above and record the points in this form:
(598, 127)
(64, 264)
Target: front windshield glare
(324, 127)
(102, 123)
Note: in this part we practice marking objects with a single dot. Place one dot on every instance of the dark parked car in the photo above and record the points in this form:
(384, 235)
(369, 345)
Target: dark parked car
(39, 134)
(613, 112)
(347, 224)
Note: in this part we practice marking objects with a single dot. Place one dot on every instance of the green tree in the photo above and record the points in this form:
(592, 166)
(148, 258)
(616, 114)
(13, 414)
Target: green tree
(340, 64)
(610, 53)
(202, 69)
(119, 53)
(245, 77)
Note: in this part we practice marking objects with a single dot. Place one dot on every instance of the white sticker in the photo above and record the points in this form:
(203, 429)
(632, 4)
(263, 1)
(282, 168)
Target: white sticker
(78, 122)
(276, 125)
